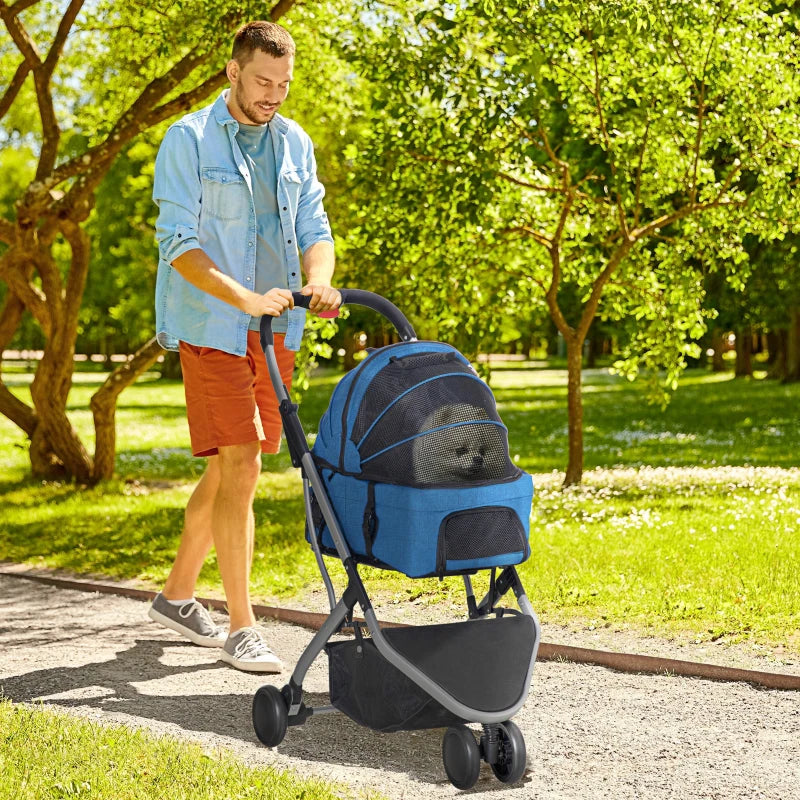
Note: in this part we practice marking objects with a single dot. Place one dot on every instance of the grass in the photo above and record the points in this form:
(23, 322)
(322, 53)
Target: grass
(46, 755)
(688, 522)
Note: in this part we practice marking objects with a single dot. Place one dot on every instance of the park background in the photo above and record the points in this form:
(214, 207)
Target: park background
(596, 202)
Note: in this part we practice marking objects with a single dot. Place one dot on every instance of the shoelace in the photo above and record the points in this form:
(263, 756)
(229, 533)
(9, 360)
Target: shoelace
(251, 645)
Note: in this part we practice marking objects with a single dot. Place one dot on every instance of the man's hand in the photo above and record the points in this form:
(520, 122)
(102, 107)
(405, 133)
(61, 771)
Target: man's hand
(273, 303)
(323, 298)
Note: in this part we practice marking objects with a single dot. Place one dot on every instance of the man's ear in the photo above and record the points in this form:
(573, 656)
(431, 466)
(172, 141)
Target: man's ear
(232, 70)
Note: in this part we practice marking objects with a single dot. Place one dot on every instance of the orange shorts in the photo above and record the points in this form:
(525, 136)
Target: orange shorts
(230, 399)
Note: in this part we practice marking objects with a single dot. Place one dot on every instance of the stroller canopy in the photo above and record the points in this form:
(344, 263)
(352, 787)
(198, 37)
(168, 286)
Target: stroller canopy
(415, 414)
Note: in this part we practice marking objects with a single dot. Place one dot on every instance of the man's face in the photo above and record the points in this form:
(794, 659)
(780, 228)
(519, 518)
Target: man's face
(259, 87)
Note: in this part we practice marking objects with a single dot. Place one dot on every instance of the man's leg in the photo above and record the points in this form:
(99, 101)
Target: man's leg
(197, 538)
(233, 525)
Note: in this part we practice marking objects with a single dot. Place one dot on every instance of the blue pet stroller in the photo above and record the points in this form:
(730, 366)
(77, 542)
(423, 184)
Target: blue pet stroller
(410, 472)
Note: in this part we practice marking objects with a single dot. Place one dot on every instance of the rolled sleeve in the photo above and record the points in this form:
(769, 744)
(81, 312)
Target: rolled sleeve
(312, 222)
(177, 193)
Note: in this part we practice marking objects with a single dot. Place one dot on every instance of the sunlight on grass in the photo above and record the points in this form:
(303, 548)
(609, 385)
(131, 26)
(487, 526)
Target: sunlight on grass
(46, 754)
(688, 520)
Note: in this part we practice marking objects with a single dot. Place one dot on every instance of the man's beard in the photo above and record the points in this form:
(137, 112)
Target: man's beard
(251, 110)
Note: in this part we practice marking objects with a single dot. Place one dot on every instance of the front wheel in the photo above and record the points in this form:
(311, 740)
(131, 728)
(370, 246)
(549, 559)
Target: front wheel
(511, 755)
(270, 715)
(461, 756)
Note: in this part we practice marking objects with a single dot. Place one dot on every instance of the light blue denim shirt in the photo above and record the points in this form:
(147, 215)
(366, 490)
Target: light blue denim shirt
(204, 194)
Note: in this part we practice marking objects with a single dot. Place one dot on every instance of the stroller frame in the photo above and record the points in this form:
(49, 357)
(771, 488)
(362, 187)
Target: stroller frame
(274, 710)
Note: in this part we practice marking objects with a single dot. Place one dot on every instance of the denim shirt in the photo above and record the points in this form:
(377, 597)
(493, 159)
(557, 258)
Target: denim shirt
(204, 194)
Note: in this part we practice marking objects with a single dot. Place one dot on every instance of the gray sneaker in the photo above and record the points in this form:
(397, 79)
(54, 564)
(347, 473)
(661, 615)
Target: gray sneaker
(247, 650)
(190, 620)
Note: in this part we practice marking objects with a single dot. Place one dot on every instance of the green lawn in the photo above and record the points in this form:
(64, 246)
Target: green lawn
(46, 755)
(688, 521)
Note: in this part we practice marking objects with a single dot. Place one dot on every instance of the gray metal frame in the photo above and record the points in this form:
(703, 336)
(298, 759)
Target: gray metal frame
(342, 608)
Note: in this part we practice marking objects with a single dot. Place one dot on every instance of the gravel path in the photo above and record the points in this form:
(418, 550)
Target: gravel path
(590, 732)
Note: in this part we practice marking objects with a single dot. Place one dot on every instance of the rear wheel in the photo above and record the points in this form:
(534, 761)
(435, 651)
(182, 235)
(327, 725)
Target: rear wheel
(461, 756)
(511, 755)
(270, 715)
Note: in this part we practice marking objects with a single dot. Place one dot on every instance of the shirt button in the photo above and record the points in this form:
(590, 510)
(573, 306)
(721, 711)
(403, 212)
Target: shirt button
(289, 241)
(248, 278)
(284, 208)
(249, 244)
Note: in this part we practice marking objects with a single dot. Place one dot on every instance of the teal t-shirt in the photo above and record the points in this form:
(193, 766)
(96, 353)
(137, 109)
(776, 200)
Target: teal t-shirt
(255, 142)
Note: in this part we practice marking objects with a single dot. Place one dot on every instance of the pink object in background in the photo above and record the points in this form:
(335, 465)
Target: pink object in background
(329, 314)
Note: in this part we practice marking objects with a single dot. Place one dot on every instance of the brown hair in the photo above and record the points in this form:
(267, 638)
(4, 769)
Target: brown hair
(265, 36)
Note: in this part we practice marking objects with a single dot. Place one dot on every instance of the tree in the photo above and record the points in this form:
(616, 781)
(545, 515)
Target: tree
(605, 150)
(98, 74)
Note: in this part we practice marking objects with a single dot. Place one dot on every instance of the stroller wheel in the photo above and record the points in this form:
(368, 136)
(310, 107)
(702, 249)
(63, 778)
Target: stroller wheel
(461, 756)
(270, 715)
(511, 756)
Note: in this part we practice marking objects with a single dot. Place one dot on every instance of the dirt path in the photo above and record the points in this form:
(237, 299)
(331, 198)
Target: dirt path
(591, 733)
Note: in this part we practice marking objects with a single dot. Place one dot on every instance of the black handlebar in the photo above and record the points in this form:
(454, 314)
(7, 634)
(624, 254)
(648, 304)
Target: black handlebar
(357, 297)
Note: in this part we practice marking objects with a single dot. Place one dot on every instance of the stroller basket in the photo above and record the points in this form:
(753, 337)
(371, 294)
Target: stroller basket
(373, 692)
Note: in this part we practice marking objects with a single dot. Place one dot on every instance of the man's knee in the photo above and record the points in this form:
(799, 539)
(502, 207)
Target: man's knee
(240, 464)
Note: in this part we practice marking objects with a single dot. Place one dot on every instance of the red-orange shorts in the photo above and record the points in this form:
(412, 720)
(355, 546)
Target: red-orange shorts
(230, 399)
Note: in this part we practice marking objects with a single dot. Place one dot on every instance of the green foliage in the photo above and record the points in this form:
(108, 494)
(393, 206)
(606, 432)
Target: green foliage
(504, 127)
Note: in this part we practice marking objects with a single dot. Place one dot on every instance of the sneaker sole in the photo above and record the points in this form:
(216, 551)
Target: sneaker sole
(251, 666)
(196, 638)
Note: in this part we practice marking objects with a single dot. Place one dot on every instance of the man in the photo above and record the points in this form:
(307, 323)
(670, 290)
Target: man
(237, 192)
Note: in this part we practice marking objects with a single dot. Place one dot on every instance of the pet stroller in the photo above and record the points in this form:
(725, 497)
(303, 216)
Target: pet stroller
(410, 472)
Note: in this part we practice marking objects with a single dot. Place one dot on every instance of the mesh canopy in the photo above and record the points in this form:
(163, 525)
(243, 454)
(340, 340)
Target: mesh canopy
(427, 419)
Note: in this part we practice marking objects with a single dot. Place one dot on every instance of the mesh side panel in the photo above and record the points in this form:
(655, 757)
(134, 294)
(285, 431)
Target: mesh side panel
(472, 453)
(373, 692)
(445, 401)
(480, 533)
(398, 376)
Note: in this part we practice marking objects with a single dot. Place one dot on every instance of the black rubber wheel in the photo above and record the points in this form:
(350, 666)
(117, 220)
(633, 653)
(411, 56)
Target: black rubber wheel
(511, 757)
(270, 716)
(461, 756)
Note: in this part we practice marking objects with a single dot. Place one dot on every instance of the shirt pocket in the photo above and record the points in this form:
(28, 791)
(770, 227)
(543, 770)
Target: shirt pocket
(292, 181)
(225, 194)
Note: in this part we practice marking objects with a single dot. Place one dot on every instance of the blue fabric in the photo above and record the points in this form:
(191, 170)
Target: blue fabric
(409, 520)
(334, 429)
(204, 191)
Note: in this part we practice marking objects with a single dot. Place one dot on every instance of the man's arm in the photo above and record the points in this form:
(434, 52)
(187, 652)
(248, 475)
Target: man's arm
(197, 268)
(318, 265)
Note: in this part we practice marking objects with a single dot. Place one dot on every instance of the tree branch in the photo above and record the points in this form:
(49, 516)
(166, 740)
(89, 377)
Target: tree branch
(538, 236)
(21, 5)
(502, 175)
(6, 231)
(17, 82)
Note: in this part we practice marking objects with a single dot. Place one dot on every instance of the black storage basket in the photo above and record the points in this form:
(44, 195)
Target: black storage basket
(374, 693)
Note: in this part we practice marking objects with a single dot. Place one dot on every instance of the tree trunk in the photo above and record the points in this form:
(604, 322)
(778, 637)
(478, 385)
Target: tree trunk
(718, 346)
(744, 351)
(778, 343)
(793, 346)
(574, 411)
(104, 407)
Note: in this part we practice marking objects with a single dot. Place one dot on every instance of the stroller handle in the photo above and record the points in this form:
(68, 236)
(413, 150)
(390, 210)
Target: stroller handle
(358, 297)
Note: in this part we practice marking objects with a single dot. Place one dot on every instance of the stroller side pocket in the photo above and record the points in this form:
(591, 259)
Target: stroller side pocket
(478, 538)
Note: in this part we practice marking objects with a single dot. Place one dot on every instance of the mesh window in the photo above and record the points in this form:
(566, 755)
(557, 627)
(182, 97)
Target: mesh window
(469, 453)
(399, 375)
(443, 401)
(480, 533)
